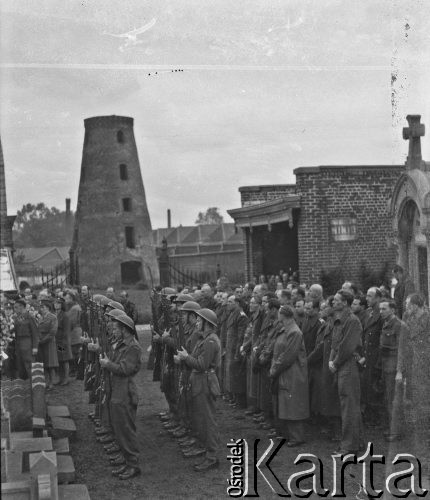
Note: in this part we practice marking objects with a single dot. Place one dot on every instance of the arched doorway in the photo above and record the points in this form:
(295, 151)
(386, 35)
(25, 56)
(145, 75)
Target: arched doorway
(410, 210)
(413, 245)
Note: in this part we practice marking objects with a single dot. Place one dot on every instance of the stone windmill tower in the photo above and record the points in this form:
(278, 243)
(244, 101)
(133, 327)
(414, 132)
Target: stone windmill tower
(6, 221)
(112, 239)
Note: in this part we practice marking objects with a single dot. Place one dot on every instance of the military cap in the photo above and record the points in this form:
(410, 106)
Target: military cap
(22, 302)
(47, 301)
(208, 315)
(115, 305)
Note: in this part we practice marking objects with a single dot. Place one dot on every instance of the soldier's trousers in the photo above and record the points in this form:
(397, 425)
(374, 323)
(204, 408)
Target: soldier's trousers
(23, 357)
(394, 403)
(205, 424)
(123, 420)
(348, 384)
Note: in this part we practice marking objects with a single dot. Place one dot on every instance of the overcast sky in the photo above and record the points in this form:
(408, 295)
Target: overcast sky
(267, 86)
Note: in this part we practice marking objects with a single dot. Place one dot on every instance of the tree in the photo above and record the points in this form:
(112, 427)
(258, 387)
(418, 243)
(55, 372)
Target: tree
(211, 216)
(37, 225)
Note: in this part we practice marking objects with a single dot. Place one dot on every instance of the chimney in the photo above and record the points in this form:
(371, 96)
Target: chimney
(68, 219)
(169, 219)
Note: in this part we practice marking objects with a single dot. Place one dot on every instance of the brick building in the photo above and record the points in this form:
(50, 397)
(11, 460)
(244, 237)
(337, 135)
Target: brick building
(335, 219)
(112, 240)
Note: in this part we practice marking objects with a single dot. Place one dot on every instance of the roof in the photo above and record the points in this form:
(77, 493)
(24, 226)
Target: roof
(32, 255)
(266, 213)
(317, 169)
(199, 234)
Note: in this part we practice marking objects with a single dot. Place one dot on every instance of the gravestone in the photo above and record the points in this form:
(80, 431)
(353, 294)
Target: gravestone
(45, 464)
(16, 395)
(63, 427)
(58, 411)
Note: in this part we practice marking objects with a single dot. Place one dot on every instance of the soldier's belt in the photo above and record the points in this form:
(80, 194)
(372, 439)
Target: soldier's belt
(212, 370)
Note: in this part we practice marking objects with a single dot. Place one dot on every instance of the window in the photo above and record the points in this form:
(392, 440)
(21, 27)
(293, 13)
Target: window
(129, 237)
(126, 204)
(123, 172)
(120, 136)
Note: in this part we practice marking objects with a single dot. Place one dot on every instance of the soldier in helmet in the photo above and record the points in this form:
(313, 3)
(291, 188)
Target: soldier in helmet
(191, 334)
(124, 365)
(204, 361)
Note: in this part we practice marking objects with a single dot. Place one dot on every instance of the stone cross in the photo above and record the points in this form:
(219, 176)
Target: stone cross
(413, 134)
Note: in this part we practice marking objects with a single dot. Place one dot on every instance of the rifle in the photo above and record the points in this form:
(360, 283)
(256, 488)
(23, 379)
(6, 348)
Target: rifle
(157, 347)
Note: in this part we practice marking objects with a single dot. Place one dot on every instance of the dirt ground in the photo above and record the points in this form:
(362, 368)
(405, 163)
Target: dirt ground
(166, 474)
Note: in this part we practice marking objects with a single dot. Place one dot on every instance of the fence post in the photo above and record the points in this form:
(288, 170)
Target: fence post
(164, 265)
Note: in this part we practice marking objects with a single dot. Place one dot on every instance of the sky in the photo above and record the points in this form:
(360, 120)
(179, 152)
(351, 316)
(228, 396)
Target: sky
(267, 86)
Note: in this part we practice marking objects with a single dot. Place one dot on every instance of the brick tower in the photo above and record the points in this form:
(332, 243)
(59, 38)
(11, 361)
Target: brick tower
(112, 239)
(6, 221)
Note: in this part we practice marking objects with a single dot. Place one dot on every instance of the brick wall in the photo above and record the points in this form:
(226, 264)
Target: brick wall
(250, 195)
(334, 192)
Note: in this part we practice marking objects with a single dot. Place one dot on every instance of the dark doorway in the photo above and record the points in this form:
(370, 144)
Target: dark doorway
(423, 271)
(131, 272)
(275, 249)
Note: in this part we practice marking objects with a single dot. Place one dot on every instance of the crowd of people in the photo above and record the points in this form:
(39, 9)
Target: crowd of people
(287, 355)
(282, 353)
(49, 327)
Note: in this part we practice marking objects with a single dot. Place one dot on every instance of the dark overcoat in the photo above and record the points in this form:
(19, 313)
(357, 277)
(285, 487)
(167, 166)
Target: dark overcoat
(289, 367)
(63, 337)
(47, 354)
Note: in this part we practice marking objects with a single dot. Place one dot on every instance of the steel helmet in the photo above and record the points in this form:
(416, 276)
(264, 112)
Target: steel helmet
(183, 297)
(190, 306)
(97, 298)
(114, 313)
(126, 321)
(168, 291)
(208, 315)
(115, 305)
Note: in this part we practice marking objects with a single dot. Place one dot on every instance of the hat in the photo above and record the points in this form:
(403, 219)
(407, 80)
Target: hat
(114, 313)
(208, 315)
(183, 297)
(126, 321)
(115, 305)
(59, 299)
(46, 302)
(190, 306)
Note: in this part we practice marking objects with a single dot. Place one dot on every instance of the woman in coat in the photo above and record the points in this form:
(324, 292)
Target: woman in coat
(47, 354)
(62, 338)
(289, 375)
